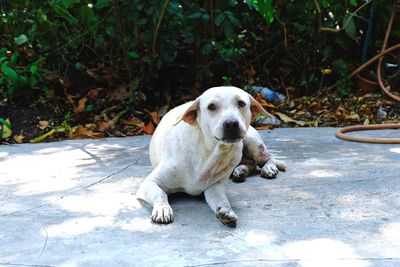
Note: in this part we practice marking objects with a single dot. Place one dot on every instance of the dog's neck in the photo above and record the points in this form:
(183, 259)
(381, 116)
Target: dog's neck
(222, 159)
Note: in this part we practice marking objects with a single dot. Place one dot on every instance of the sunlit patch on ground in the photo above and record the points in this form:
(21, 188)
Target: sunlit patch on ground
(77, 226)
(395, 150)
(323, 252)
(139, 224)
(323, 173)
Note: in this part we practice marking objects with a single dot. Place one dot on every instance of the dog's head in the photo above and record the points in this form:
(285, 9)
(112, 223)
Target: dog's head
(224, 113)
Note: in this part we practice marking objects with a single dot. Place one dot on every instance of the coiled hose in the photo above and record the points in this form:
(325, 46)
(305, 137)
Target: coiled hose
(341, 133)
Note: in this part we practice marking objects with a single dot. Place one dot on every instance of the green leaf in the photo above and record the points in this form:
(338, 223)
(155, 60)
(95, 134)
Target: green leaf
(353, 2)
(33, 69)
(3, 51)
(195, 15)
(39, 61)
(87, 16)
(264, 7)
(102, 3)
(89, 107)
(232, 18)
(9, 73)
(35, 65)
(133, 54)
(141, 21)
(189, 37)
(64, 13)
(14, 58)
(41, 16)
(79, 66)
(228, 29)
(251, 4)
(325, 3)
(340, 66)
(32, 81)
(349, 26)
(20, 39)
(207, 48)
(219, 19)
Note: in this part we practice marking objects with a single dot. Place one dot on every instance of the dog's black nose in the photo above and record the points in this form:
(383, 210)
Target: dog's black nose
(231, 124)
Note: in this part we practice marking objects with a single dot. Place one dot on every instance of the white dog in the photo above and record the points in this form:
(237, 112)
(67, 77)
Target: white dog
(196, 148)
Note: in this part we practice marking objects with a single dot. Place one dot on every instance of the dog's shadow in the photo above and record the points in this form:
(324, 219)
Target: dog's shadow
(181, 197)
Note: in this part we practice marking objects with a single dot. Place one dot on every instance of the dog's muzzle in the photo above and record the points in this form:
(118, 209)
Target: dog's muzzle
(231, 131)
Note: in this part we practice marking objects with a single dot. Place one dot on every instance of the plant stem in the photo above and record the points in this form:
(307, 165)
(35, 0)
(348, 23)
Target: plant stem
(155, 36)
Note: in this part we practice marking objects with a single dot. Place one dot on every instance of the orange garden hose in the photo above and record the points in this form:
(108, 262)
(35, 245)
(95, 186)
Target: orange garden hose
(341, 132)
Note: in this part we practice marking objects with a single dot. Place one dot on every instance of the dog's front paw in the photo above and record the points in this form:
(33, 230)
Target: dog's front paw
(226, 216)
(239, 173)
(272, 167)
(162, 213)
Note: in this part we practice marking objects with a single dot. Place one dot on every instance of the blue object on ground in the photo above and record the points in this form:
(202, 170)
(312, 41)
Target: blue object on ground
(267, 93)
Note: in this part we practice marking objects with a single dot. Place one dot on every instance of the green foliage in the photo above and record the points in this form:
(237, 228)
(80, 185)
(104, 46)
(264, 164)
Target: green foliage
(156, 45)
(16, 79)
(196, 39)
(264, 7)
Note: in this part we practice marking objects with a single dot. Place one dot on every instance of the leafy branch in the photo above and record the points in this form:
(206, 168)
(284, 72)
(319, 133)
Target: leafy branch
(345, 23)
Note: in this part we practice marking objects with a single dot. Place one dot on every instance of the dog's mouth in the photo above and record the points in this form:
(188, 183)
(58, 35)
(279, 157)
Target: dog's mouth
(229, 139)
(230, 135)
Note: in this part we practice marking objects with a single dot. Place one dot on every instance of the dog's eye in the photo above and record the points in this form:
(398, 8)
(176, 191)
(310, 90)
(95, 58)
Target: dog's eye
(212, 107)
(241, 103)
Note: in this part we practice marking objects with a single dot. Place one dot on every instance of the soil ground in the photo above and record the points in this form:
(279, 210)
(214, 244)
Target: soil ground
(104, 115)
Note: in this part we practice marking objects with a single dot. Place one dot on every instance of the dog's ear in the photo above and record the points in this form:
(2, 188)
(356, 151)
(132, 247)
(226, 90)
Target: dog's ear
(257, 109)
(190, 114)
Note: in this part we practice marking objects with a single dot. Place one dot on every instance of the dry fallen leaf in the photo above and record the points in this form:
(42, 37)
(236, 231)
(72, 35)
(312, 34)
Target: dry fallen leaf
(352, 117)
(149, 128)
(90, 126)
(81, 105)
(19, 138)
(135, 131)
(287, 119)
(119, 94)
(119, 134)
(155, 117)
(103, 125)
(93, 93)
(43, 124)
(263, 102)
(264, 127)
(82, 132)
(134, 122)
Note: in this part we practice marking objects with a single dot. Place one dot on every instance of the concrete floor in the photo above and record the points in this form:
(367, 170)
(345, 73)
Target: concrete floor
(72, 203)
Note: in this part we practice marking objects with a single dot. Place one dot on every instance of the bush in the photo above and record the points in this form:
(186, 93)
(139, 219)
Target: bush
(171, 46)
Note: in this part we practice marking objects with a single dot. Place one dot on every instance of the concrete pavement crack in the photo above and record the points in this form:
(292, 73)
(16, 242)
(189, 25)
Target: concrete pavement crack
(20, 211)
(286, 261)
(47, 236)
(102, 179)
(77, 190)
(24, 265)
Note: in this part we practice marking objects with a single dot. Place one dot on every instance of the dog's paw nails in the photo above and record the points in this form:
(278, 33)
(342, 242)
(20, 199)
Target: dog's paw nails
(270, 170)
(162, 214)
(226, 216)
(239, 174)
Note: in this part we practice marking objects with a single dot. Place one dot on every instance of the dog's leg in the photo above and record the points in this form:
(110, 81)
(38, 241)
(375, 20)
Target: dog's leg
(153, 194)
(244, 169)
(255, 149)
(218, 201)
